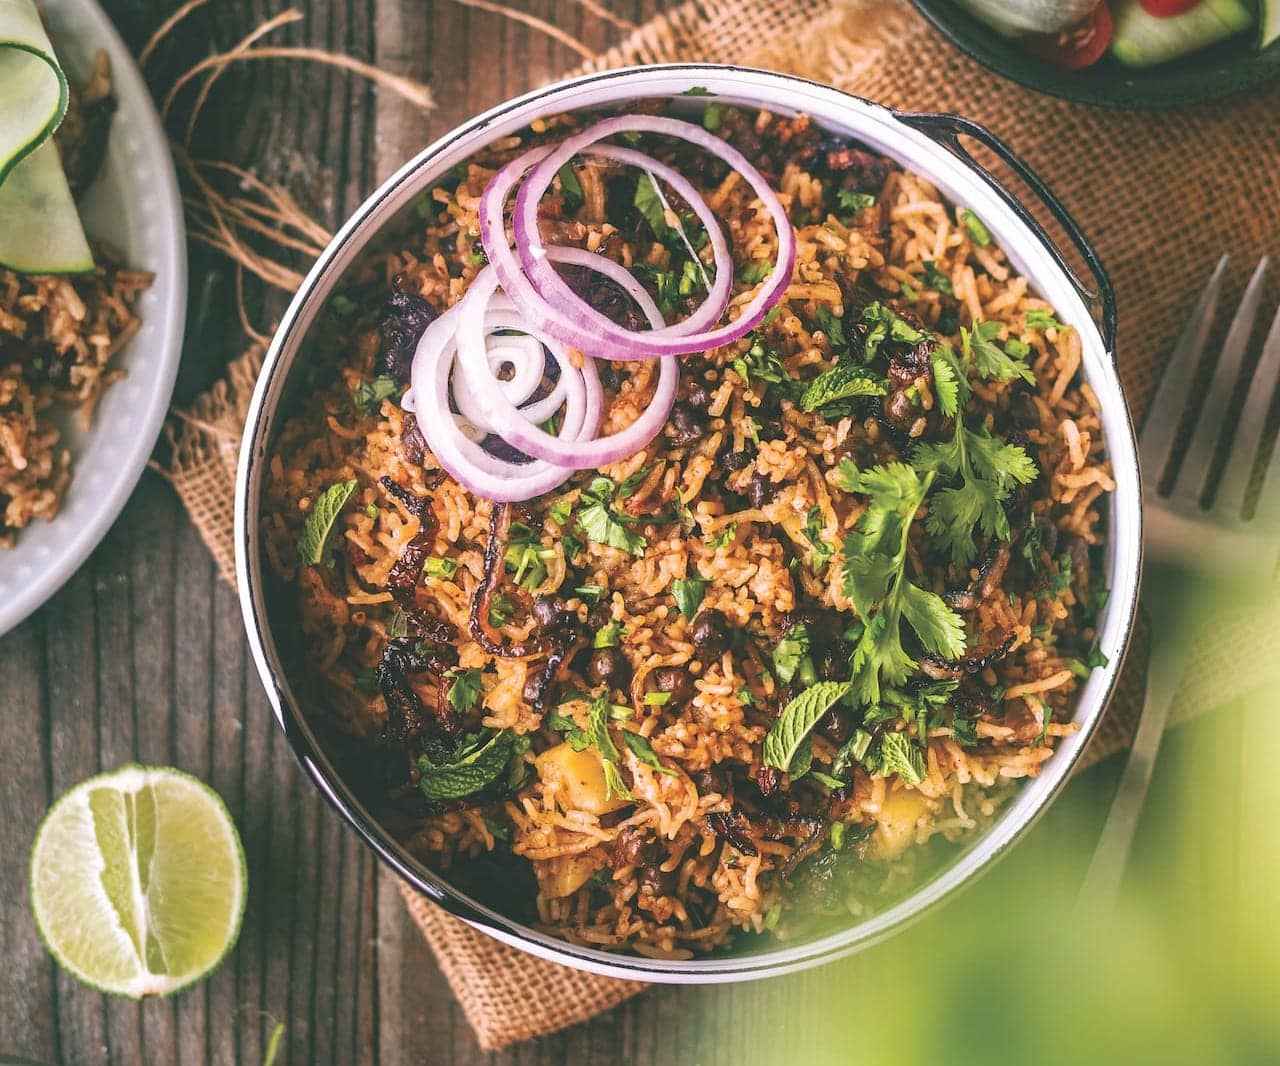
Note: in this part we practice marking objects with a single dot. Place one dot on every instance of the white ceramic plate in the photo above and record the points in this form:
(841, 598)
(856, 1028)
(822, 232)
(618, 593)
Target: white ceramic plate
(134, 207)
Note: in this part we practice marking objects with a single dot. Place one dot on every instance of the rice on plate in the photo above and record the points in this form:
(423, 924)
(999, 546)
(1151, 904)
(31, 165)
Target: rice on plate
(757, 671)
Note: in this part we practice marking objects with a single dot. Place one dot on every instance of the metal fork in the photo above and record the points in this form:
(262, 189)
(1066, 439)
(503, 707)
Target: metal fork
(1192, 552)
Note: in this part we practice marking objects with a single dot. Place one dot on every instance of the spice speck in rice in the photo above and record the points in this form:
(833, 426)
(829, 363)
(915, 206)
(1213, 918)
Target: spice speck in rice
(758, 669)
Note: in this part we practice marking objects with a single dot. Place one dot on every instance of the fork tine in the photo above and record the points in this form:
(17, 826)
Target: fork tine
(1268, 509)
(1170, 397)
(1210, 419)
(1253, 421)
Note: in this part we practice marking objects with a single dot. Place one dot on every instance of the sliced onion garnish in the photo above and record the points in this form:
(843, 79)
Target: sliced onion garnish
(528, 436)
(489, 353)
(588, 328)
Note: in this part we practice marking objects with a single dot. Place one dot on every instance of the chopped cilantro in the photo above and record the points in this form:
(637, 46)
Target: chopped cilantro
(973, 225)
(855, 202)
(500, 610)
(698, 90)
(526, 558)
(570, 187)
(688, 593)
(1038, 318)
(656, 699)
(724, 538)
(936, 279)
(908, 292)
(648, 201)
(560, 511)
(343, 305)
(755, 272)
(590, 593)
(763, 364)
(368, 395)
(822, 551)
(437, 567)
(791, 651)
(607, 635)
(886, 326)
(712, 117)
(464, 689)
(601, 524)
(399, 625)
(373, 510)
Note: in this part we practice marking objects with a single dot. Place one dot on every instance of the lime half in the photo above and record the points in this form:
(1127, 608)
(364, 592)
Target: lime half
(138, 881)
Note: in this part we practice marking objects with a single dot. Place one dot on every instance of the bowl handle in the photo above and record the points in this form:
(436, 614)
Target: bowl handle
(947, 131)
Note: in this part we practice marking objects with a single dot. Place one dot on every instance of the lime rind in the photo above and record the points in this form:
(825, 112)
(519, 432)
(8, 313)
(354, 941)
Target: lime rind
(173, 926)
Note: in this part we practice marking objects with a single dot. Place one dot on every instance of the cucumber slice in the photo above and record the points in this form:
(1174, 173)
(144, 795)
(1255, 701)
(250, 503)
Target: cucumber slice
(1268, 22)
(40, 229)
(1142, 40)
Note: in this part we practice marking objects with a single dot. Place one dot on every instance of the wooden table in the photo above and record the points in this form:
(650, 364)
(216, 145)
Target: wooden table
(140, 656)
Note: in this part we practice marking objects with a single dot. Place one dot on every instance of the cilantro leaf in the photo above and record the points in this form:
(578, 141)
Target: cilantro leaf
(797, 720)
(790, 651)
(987, 469)
(317, 529)
(607, 636)
(648, 201)
(822, 551)
(973, 225)
(989, 359)
(368, 395)
(1039, 318)
(755, 272)
(688, 593)
(601, 524)
(950, 382)
(855, 202)
(935, 279)
(842, 382)
(464, 689)
(642, 750)
(435, 566)
(724, 538)
(764, 364)
(887, 326)
(875, 580)
(468, 774)
(832, 326)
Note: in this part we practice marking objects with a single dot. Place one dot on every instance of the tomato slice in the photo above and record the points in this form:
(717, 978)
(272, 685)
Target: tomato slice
(1083, 44)
(1166, 9)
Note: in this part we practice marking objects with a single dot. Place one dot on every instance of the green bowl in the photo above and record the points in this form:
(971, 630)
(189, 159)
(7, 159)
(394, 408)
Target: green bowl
(1216, 72)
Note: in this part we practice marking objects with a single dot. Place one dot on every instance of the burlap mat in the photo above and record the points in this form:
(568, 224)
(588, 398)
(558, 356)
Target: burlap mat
(1162, 194)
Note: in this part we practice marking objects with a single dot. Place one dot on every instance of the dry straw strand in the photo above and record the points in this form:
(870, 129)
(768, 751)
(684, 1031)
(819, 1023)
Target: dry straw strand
(166, 27)
(541, 25)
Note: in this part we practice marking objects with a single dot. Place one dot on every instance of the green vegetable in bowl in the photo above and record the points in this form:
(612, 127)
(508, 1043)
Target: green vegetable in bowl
(1146, 40)
(40, 231)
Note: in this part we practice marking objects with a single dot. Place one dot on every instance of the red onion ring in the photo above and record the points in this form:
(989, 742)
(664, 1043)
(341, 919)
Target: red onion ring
(592, 330)
(528, 437)
(525, 295)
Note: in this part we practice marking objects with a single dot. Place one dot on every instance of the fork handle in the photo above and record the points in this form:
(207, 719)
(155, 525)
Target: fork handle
(948, 129)
(1101, 886)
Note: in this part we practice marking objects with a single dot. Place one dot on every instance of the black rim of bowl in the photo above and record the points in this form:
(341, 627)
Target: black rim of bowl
(1220, 71)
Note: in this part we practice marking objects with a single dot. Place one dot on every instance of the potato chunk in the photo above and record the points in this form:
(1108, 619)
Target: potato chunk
(563, 876)
(896, 823)
(577, 778)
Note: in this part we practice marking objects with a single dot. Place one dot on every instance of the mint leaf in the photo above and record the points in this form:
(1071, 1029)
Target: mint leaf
(842, 382)
(598, 734)
(469, 774)
(313, 544)
(642, 750)
(797, 720)
(897, 755)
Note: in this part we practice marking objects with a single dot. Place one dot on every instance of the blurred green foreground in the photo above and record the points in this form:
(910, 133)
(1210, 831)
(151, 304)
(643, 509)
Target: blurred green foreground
(1187, 972)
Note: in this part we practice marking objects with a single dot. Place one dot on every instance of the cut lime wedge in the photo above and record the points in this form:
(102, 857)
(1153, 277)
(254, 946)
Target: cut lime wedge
(138, 881)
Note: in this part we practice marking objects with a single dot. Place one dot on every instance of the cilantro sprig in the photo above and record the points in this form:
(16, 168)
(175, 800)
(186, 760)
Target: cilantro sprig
(875, 580)
(599, 522)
